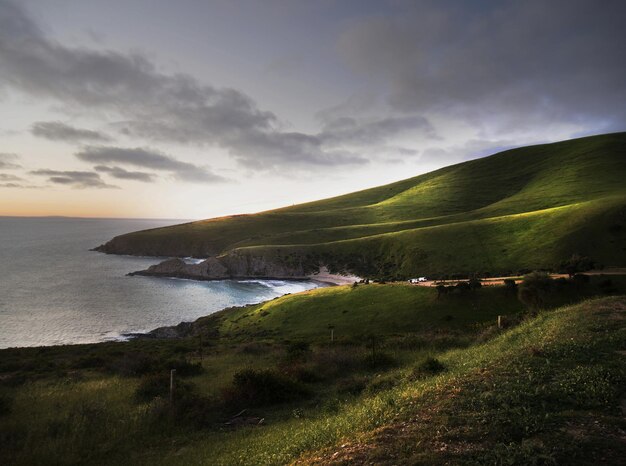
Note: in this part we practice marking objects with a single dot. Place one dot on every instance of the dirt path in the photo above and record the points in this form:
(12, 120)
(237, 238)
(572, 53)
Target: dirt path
(491, 281)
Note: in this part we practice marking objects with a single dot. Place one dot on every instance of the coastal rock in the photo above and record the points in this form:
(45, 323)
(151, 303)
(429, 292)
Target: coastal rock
(224, 267)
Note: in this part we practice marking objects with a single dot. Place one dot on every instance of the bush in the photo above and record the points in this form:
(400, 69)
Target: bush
(510, 285)
(580, 279)
(607, 287)
(534, 289)
(428, 368)
(474, 283)
(463, 286)
(298, 351)
(262, 387)
(135, 364)
(351, 385)
(152, 386)
(183, 367)
(5, 405)
(576, 264)
(379, 360)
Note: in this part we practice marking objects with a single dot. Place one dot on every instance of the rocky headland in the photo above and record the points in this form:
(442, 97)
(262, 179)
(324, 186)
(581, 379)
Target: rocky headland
(225, 267)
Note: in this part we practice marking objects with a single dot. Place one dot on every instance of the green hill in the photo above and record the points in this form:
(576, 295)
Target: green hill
(524, 208)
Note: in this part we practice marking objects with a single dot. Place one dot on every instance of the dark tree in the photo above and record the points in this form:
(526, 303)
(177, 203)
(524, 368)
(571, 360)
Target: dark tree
(441, 290)
(510, 286)
(576, 264)
(474, 283)
(534, 289)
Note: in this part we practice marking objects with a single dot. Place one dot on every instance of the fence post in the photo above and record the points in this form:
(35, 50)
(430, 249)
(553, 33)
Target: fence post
(172, 384)
(500, 321)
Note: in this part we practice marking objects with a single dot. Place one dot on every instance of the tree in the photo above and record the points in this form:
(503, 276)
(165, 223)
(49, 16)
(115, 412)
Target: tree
(474, 283)
(510, 285)
(441, 290)
(576, 264)
(534, 289)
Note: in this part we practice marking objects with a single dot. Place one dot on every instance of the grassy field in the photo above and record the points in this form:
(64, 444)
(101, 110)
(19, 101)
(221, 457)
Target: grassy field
(525, 208)
(410, 378)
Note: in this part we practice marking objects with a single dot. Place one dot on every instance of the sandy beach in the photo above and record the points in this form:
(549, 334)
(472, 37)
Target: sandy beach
(336, 279)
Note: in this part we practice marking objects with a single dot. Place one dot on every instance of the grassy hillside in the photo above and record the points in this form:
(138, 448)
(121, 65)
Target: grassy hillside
(530, 207)
(446, 386)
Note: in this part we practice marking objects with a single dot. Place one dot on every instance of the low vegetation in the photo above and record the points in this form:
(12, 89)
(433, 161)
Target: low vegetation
(408, 377)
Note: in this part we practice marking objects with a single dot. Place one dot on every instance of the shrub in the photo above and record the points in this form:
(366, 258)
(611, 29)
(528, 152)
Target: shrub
(380, 384)
(576, 264)
(351, 385)
(298, 351)
(510, 285)
(463, 286)
(534, 289)
(152, 386)
(580, 279)
(429, 367)
(474, 283)
(5, 405)
(135, 364)
(607, 287)
(183, 367)
(379, 360)
(262, 387)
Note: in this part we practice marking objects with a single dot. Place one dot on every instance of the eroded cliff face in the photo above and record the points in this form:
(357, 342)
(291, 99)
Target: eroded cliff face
(224, 267)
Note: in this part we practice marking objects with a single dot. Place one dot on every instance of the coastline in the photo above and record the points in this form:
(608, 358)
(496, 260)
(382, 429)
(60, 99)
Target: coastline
(184, 329)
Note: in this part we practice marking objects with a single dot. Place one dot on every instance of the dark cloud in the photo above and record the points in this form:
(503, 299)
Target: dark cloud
(58, 131)
(122, 174)
(7, 161)
(5, 177)
(504, 65)
(149, 103)
(10, 181)
(75, 179)
(148, 158)
(364, 132)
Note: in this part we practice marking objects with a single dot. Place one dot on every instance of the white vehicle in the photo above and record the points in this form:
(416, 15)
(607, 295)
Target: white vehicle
(417, 280)
(421, 279)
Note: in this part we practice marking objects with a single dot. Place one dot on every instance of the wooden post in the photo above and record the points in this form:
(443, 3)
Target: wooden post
(172, 384)
(500, 321)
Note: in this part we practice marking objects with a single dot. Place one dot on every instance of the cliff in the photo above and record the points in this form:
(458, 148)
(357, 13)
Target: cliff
(225, 267)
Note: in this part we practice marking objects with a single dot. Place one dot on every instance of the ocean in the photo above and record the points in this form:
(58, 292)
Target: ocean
(54, 291)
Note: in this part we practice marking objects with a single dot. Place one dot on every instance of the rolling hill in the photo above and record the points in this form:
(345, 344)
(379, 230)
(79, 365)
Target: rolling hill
(525, 208)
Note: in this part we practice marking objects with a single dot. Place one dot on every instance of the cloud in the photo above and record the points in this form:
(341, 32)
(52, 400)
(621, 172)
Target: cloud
(122, 174)
(365, 132)
(4, 177)
(58, 131)
(7, 161)
(147, 158)
(147, 102)
(503, 66)
(10, 181)
(75, 179)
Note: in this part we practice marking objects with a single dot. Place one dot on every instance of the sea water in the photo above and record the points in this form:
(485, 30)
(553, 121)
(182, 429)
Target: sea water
(53, 290)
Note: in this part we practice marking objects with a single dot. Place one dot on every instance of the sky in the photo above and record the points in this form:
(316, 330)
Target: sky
(196, 109)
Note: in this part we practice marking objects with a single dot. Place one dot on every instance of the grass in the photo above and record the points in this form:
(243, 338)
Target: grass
(407, 374)
(525, 208)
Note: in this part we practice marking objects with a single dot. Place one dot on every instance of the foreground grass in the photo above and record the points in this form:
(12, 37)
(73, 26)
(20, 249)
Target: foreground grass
(546, 392)
(541, 392)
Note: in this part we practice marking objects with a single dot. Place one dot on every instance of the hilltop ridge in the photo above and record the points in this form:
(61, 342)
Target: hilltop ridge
(525, 208)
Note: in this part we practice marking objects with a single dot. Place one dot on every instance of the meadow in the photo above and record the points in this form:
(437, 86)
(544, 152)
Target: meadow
(409, 377)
